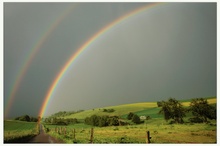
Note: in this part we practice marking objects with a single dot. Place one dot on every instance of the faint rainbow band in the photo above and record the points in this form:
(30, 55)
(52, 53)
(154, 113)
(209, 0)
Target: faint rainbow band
(30, 56)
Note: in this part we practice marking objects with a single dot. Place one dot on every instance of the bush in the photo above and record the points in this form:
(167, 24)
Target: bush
(24, 118)
(102, 121)
(130, 116)
(136, 119)
(196, 120)
(108, 110)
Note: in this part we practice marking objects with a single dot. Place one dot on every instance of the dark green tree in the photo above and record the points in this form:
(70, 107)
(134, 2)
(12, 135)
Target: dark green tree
(103, 121)
(136, 119)
(159, 104)
(95, 120)
(201, 110)
(33, 119)
(172, 109)
(25, 118)
(130, 116)
(113, 121)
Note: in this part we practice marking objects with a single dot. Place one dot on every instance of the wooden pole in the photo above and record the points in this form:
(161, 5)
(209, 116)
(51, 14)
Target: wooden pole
(148, 137)
(74, 133)
(60, 131)
(91, 136)
(64, 130)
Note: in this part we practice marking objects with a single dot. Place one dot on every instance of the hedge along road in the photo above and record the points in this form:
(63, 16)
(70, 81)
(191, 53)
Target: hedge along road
(44, 138)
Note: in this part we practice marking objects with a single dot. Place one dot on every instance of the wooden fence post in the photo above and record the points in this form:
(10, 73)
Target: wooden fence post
(74, 134)
(60, 131)
(91, 136)
(148, 137)
(64, 130)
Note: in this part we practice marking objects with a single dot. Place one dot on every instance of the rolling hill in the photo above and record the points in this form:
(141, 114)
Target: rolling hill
(143, 108)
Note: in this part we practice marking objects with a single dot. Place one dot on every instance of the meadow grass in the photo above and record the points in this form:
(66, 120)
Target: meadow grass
(160, 131)
(15, 131)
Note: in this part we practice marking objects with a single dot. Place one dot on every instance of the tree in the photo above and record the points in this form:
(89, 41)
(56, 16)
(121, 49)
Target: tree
(130, 116)
(33, 119)
(201, 110)
(172, 109)
(159, 104)
(103, 121)
(24, 118)
(136, 119)
(113, 121)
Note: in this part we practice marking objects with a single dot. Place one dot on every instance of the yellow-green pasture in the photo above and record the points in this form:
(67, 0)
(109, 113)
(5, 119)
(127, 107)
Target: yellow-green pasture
(210, 101)
(119, 110)
(160, 132)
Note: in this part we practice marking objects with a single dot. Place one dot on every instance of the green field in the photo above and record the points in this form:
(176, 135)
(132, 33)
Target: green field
(120, 110)
(160, 130)
(17, 131)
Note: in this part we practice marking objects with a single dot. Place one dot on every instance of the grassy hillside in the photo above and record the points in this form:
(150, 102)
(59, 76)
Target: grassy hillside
(144, 108)
(120, 110)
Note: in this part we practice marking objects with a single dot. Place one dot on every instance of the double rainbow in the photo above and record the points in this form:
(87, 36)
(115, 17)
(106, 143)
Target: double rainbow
(33, 51)
(102, 31)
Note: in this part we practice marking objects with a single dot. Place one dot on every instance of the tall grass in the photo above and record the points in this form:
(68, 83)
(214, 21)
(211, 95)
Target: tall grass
(18, 131)
(160, 131)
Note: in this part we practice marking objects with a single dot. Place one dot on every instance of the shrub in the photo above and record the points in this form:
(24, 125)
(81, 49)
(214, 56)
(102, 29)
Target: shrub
(102, 121)
(196, 120)
(130, 116)
(136, 119)
(108, 110)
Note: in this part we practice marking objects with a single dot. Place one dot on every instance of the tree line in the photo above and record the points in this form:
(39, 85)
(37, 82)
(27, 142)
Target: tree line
(201, 111)
(60, 121)
(65, 113)
(27, 118)
(102, 121)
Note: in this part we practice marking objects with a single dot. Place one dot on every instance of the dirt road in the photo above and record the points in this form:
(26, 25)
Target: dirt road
(44, 138)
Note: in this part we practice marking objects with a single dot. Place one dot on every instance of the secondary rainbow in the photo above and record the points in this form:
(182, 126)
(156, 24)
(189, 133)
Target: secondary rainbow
(82, 48)
(30, 56)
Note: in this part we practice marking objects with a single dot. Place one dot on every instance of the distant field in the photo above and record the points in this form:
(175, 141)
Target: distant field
(15, 131)
(120, 110)
(144, 108)
(210, 100)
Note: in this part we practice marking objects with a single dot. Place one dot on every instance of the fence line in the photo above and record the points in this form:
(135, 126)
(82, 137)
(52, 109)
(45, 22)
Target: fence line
(63, 131)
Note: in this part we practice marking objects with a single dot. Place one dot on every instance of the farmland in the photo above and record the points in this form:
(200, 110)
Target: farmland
(161, 131)
(18, 131)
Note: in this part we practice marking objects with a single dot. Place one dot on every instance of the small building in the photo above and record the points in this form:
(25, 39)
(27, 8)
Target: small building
(143, 117)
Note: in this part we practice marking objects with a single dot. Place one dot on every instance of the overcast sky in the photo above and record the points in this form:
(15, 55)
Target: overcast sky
(166, 51)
